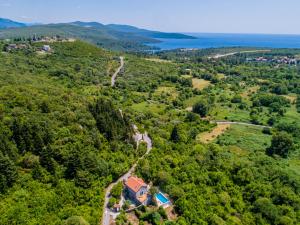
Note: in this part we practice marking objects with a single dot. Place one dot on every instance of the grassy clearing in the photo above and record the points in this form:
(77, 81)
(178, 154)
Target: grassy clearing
(168, 91)
(294, 165)
(249, 91)
(263, 81)
(192, 101)
(186, 76)
(237, 151)
(245, 137)
(158, 60)
(291, 116)
(208, 137)
(200, 84)
(229, 113)
(144, 94)
(148, 107)
(221, 76)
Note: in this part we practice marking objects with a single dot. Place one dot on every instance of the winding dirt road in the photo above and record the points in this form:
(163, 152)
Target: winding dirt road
(114, 76)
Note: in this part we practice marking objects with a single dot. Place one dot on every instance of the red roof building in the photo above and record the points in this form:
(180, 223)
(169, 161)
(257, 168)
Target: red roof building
(137, 189)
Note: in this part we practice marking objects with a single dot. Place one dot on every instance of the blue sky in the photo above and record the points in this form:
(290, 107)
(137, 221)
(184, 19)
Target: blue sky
(218, 16)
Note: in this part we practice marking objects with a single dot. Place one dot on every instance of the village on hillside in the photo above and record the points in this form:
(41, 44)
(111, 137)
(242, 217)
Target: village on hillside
(20, 44)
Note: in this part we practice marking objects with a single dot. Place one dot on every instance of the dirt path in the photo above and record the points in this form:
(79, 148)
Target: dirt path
(138, 137)
(114, 76)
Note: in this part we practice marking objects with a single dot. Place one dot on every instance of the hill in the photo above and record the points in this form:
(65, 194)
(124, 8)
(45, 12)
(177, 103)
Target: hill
(53, 153)
(64, 139)
(148, 33)
(6, 23)
(116, 37)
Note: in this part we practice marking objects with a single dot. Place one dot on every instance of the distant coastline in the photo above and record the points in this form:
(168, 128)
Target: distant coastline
(211, 40)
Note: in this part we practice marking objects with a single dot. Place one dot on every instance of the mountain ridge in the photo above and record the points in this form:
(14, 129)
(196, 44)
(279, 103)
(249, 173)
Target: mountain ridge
(7, 23)
(111, 36)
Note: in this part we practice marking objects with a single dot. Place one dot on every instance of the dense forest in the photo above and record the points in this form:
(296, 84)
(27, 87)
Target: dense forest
(62, 140)
(66, 134)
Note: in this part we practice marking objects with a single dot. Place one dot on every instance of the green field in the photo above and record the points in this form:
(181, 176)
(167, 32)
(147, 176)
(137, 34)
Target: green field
(245, 137)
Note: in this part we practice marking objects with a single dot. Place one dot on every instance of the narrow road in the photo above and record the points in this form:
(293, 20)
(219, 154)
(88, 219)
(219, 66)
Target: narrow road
(138, 137)
(114, 76)
(240, 123)
(235, 53)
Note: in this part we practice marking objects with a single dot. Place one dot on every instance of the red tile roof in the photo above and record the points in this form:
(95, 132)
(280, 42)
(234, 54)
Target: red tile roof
(135, 183)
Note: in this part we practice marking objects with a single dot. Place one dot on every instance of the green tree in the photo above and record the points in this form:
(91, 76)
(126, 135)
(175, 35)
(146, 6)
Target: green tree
(112, 201)
(236, 99)
(175, 137)
(266, 208)
(76, 220)
(110, 122)
(116, 191)
(282, 143)
(8, 173)
(201, 108)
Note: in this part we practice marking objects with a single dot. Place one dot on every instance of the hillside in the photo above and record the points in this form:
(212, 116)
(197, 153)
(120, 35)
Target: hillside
(58, 148)
(64, 139)
(6, 23)
(114, 37)
(148, 33)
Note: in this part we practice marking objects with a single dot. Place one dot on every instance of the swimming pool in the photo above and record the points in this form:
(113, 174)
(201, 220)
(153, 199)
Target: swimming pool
(163, 199)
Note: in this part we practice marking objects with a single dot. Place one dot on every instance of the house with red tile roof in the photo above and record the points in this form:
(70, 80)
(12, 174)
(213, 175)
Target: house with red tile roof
(137, 190)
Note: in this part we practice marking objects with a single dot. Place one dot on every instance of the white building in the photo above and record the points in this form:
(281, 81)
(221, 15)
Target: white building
(46, 48)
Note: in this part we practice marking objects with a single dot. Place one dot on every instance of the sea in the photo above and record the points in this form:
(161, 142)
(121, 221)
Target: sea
(208, 40)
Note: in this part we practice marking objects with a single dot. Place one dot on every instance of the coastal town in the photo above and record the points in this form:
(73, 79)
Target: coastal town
(278, 60)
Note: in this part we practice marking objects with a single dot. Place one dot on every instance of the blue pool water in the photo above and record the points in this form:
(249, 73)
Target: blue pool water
(162, 198)
(205, 40)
